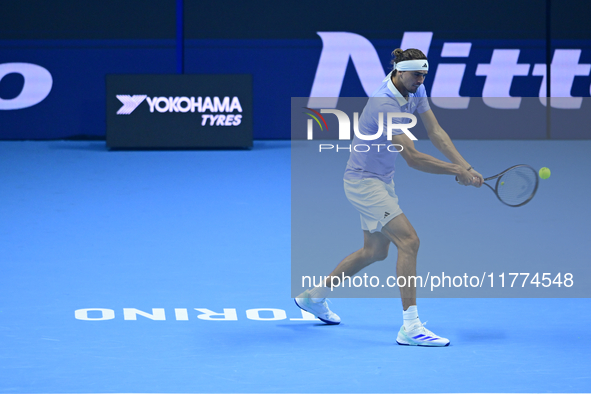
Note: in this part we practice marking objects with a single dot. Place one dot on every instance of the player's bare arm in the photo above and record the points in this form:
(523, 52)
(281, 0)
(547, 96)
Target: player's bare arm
(443, 143)
(427, 163)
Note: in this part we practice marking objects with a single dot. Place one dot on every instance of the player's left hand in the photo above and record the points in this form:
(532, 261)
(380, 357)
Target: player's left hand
(477, 179)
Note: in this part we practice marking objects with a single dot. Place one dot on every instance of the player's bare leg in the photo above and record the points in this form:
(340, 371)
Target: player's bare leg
(403, 235)
(375, 248)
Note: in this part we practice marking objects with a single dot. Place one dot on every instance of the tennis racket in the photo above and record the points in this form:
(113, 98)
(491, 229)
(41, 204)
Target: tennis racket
(515, 186)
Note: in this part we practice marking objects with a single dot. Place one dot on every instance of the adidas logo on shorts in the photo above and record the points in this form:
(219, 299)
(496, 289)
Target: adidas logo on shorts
(386, 214)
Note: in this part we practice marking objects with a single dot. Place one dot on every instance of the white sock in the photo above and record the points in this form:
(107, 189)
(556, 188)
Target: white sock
(410, 317)
(318, 294)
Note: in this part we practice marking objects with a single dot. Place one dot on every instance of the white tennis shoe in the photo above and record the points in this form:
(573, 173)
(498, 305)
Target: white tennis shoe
(318, 309)
(420, 336)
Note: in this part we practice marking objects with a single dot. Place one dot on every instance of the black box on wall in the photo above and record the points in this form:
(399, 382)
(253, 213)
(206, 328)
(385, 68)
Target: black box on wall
(179, 111)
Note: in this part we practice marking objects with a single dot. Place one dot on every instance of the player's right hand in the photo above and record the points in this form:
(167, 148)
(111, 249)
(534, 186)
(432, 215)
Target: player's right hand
(478, 179)
(466, 178)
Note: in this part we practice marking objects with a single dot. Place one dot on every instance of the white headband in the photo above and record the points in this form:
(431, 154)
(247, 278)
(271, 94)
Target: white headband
(413, 65)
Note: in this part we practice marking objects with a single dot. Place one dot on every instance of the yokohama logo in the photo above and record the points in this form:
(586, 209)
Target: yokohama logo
(179, 104)
(130, 103)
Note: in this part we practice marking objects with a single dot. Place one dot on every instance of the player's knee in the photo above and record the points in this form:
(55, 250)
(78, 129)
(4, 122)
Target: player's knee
(380, 255)
(411, 244)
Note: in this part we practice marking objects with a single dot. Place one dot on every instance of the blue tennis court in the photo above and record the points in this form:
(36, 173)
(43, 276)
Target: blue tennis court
(169, 272)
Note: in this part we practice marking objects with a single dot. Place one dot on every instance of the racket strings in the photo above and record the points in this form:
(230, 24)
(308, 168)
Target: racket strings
(517, 186)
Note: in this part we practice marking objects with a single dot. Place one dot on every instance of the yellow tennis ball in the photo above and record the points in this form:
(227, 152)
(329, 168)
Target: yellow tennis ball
(502, 183)
(545, 173)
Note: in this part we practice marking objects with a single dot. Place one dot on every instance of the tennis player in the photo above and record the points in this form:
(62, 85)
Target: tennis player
(369, 187)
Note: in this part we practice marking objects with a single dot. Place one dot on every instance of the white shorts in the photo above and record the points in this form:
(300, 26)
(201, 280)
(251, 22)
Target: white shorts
(375, 200)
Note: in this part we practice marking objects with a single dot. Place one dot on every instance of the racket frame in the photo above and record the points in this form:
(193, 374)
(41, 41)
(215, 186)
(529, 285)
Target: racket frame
(500, 175)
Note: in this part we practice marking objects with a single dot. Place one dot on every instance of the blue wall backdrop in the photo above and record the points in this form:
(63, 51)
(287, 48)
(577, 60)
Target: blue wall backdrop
(281, 47)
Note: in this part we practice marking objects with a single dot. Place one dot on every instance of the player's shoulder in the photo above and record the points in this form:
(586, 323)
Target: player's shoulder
(382, 91)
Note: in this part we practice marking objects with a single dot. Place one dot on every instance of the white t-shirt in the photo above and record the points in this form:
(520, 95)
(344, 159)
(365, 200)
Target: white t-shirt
(378, 162)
